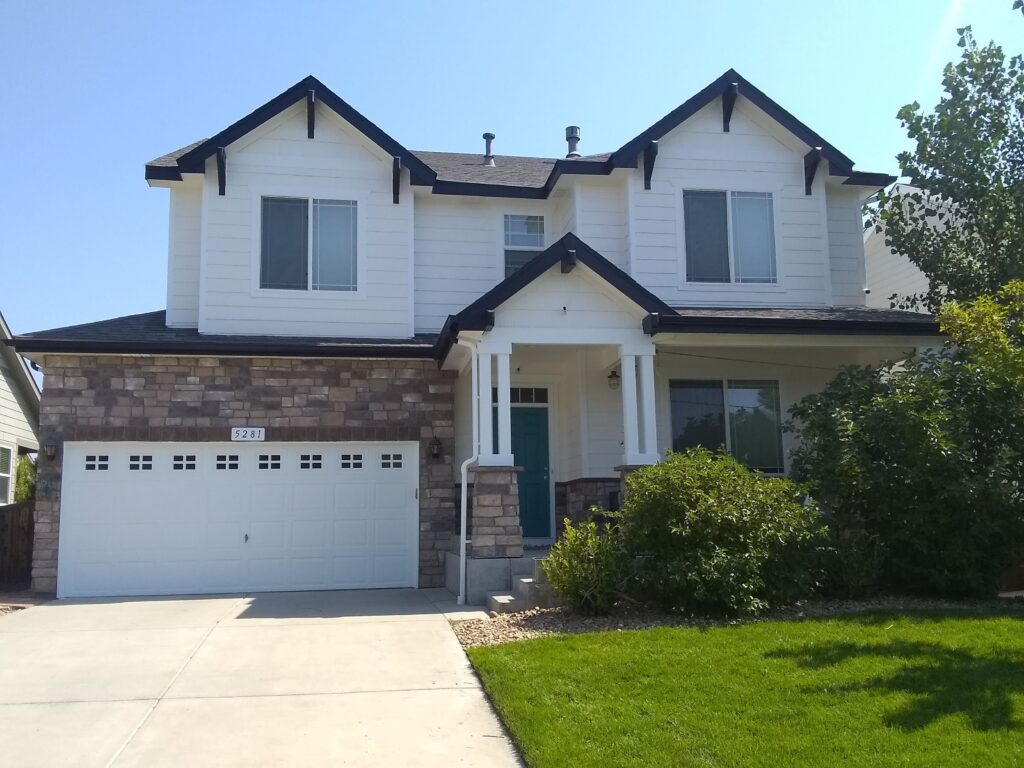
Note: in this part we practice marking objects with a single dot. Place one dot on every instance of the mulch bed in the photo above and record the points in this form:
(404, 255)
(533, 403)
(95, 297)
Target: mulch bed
(539, 622)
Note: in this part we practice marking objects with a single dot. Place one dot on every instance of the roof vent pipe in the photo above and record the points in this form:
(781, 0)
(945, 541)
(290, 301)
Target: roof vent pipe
(488, 157)
(572, 135)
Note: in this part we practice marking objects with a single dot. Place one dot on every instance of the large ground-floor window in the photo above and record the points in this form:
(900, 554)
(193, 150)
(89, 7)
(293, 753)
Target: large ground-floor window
(741, 415)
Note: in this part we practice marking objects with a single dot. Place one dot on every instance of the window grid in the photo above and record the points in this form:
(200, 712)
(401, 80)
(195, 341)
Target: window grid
(351, 461)
(97, 462)
(323, 218)
(524, 239)
(270, 461)
(184, 462)
(734, 276)
(140, 462)
(523, 395)
(227, 461)
(311, 461)
(391, 461)
(6, 473)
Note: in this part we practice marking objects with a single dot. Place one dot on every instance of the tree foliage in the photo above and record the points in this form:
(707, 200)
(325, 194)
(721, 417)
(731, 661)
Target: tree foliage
(25, 480)
(963, 225)
(920, 464)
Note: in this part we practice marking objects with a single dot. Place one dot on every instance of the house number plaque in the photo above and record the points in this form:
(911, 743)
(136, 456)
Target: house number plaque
(248, 434)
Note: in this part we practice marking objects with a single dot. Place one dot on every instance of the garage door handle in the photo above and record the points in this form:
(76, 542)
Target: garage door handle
(246, 538)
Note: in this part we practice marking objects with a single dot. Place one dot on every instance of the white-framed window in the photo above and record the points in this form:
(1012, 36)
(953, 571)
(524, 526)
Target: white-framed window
(524, 239)
(742, 415)
(308, 244)
(6, 474)
(729, 237)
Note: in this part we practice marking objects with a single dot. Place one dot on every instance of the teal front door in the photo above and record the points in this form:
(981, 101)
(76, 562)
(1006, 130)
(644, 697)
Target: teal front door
(530, 447)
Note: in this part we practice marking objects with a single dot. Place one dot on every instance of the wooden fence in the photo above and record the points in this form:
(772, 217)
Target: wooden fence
(16, 528)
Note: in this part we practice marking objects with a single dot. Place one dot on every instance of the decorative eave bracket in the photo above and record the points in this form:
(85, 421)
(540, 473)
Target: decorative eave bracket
(568, 261)
(396, 178)
(811, 161)
(310, 114)
(650, 155)
(728, 102)
(222, 171)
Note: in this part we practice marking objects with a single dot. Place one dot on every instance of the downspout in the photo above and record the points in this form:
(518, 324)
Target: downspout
(464, 501)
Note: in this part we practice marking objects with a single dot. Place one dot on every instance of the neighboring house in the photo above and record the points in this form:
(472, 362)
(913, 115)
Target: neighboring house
(19, 413)
(342, 300)
(888, 272)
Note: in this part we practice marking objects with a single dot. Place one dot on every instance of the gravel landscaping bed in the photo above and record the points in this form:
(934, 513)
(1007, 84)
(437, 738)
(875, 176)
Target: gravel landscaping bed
(510, 627)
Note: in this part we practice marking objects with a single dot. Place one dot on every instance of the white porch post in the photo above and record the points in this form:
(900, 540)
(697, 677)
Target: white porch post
(647, 410)
(486, 417)
(631, 447)
(504, 407)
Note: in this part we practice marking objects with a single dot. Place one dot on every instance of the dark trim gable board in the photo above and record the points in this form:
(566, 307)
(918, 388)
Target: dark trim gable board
(850, 323)
(194, 161)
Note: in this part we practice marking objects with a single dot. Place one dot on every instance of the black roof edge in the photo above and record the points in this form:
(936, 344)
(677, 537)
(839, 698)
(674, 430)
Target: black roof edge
(162, 173)
(446, 340)
(674, 323)
(225, 349)
(628, 152)
(868, 179)
(194, 160)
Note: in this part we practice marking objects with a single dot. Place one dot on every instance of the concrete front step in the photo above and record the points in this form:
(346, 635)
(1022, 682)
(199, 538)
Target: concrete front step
(526, 594)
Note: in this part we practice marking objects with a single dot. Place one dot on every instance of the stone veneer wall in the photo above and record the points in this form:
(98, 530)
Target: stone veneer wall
(197, 399)
(574, 498)
(494, 529)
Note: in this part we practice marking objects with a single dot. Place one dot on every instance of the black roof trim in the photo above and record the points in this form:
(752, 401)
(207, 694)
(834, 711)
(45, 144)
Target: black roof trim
(479, 316)
(628, 152)
(194, 160)
(147, 334)
(837, 325)
(868, 179)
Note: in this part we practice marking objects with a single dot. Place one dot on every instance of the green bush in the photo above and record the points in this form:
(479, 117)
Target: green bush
(705, 534)
(25, 480)
(584, 567)
(921, 464)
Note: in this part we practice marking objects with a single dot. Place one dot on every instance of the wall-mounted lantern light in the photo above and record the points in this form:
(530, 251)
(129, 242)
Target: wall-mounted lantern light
(435, 448)
(614, 380)
(50, 449)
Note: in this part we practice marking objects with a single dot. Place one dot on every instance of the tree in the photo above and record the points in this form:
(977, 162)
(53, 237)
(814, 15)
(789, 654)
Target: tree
(25, 480)
(920, 464)
(963, 225)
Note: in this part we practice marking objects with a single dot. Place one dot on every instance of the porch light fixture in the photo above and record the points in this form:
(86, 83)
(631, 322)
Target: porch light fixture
(435, 448)
(50, 449)
(614, 380)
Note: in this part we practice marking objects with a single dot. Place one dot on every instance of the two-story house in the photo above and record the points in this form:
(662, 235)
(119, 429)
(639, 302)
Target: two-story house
(368, 350)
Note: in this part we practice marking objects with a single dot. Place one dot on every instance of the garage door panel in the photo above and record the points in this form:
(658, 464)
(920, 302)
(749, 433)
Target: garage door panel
(333, 515)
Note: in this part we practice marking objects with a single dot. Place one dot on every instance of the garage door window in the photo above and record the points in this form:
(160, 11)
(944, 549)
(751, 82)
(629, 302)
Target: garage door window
(227, 461)
(311, 461)
(183, 461)
(391, 461)
(270, 461)
(351, 461)
(95, 462)
(140, 462)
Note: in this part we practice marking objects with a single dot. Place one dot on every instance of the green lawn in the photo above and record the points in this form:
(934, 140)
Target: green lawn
(866, 690)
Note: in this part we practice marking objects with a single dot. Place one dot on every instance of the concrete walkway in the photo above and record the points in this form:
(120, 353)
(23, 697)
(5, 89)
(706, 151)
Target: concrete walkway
(372, 678)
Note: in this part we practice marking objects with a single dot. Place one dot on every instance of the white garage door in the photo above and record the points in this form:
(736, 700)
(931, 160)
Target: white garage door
(188, 518)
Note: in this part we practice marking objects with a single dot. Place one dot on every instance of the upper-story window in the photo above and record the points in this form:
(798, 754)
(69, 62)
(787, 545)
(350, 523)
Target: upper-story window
(524, 239)
(729, 237)
(308, 244)
(6, 473)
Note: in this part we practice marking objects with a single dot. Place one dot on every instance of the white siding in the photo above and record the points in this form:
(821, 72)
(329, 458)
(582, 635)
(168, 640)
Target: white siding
(278, 159)
(459, 244)
(602, 224)
(846, 246)
(184, 245)
(15, 428)
(889, 272)
(754, 156)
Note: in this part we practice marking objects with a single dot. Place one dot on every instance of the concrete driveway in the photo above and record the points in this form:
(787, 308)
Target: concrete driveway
(305, 678)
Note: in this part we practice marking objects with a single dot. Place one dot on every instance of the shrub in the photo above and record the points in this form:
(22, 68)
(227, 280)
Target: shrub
(921, 464)
(705, 534)
(584, 567)
(25, 480)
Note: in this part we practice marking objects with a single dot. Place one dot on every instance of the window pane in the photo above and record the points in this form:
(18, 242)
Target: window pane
(698, 414)
(524, 231)
(334, 245)
(753, 237)
(5, 461)
(707, 237)
(755, 425)
(5, 490)
(283, 249)
(516, 260)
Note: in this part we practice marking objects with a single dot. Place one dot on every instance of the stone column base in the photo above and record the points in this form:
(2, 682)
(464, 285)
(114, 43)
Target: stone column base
(496, 531)
(625, 470)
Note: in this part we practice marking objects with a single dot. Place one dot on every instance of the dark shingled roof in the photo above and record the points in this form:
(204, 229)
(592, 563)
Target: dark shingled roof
(813, 320)
(170, 160)
(147, 333)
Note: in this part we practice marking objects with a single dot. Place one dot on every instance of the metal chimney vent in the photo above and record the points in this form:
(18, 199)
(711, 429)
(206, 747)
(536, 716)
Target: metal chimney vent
(488, 157)
(572, 135)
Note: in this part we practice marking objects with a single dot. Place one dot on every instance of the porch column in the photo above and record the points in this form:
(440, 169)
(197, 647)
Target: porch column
(504, 408)
(630, 427)
(647, 410)
(485, 414)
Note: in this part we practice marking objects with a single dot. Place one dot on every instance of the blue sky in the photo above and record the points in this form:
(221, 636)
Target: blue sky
(92, 90)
